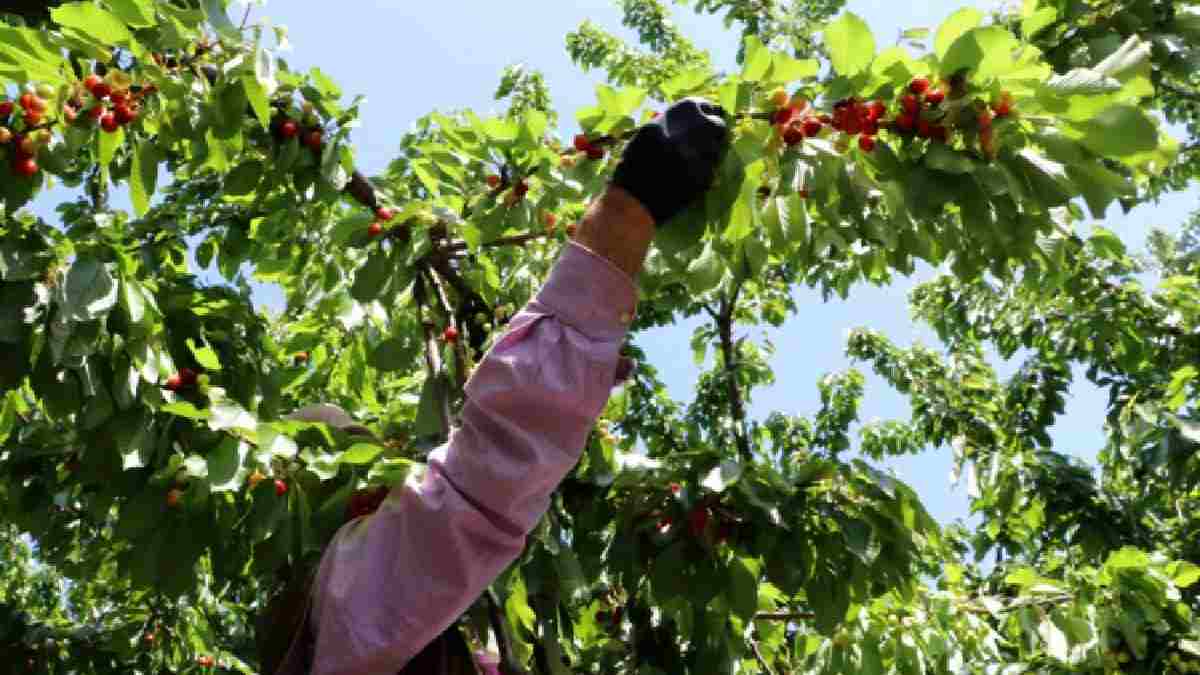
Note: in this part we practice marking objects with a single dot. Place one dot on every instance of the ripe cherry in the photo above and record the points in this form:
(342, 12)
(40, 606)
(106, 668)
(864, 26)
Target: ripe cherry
(1003, 106)
(595, 153)
(96, 112)
(124, 114)
(675, 488)
(91, 82)
(866, 143)
(6, 109)
(935, 97)
(102, 91)
(905, 122)
(187, 377)
(582, 144)
(877, 110)
(281, 487)
(919, 85)
(174, 383)
(450, 335)
(374, 230)
(924, 129)
(205, 661)
(313, 139)
(985, 120)
(786, 115)
(27, 100)
(793, 134)
(571, 228)
(173, 498)
(812, 127)
(27, 167)
(493, 181)
(551, 220)
(33, 118)
(108, 122)
(910, 104)
(384, 214)
(698, 521)
(288, 129)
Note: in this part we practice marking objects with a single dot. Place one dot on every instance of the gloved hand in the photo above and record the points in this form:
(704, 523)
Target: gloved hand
(673, 160)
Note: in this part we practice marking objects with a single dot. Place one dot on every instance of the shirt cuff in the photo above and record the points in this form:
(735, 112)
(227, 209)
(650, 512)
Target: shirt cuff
(590, 294)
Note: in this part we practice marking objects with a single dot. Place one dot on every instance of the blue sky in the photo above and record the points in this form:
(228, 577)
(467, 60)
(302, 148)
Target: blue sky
(411, 57)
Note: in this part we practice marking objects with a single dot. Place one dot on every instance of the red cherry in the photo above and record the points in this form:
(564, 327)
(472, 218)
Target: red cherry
(812, 127)
(289, 129)
(825, 119)
(450, 335)
(675, 488)
(27, 100)
(793, 135)
(6, 109)
(26, 147)
(520, 189)
(96, 112)
(187, 377)
(119, 97)
(374, 230)
(281, 487)
(384, 214)
(1003, 107)
(919, 85)
(173, 499)
(493, 181)
(313, 139)
(866, 143)
(124, 114)
(924, 129)
(174, 383)
(985, 120)
(91, 82)
(877, 110)
(582, 144)
(905, 122)
(940, 133)
(935, 97)
(595, 153)
(102, 91)
(108, 122)
(26, 167)
(33, 118)
(910, 104)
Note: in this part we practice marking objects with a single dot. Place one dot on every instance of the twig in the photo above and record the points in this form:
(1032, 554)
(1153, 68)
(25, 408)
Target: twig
(508, 663)
(785, 616)
(762, 662)
(246, 16)
(503, 241)
(432, 357)
(737, 407)
(460, 353)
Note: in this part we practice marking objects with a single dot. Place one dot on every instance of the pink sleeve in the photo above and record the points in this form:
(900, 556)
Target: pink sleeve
(392, 582)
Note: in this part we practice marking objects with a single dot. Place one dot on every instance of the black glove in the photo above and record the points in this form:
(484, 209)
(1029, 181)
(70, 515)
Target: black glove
(672, 161)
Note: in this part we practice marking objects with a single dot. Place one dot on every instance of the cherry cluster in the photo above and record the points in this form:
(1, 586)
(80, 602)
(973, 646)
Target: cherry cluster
(112, 107)
(311, 136)
(25, 145)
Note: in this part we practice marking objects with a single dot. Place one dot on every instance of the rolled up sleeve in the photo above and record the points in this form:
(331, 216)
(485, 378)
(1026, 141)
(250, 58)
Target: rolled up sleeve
(390, 583)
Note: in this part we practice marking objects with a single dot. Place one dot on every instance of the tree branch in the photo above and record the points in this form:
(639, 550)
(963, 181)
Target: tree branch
(515, 240)
(1179, 91)
(508, 662)
(432, 356)
(460, 374)
(762, 662)
(737, 406)
(785, 616)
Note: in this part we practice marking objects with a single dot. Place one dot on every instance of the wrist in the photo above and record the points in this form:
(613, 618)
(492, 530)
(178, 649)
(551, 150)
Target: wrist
(619, 228)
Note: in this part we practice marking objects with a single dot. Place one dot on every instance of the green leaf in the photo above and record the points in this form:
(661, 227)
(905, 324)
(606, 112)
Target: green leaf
(944, 158)
(1055, 640)
(259, 99)
(1184, 573)
(429, 409)
(1118, 131)
(1080, 81)
(143, 176)
(1098, 185)
(686, 82)
(1188, 428)
(1038, 21)
(225, 473)
(850, 43)
(90, 290)
(1128, 557)
(986, 52)
(743, 587)
(757, 59)
(953, 27)
(393, 354)
(704, 272)
(722, 476)
(361, 453)
(215, 11)
(135, 13)
(371, 278)
(205, 356)
(243, 179)
(89, 19)
(619, 103)
(109, 144)
(786, 69)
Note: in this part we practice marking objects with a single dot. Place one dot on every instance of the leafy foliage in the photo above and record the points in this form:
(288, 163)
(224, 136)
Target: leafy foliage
(148, 454)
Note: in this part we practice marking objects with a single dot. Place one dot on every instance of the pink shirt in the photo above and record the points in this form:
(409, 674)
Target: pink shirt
(390, 583)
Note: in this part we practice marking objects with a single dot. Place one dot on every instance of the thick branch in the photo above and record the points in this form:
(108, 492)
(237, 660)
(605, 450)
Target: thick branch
(737, 406)
(508, 662)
